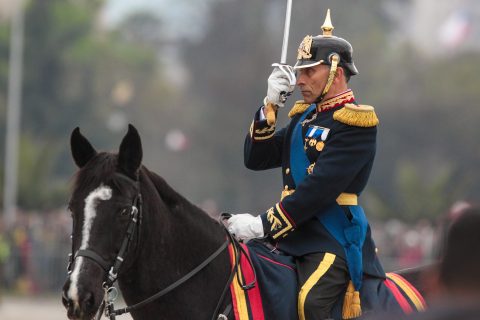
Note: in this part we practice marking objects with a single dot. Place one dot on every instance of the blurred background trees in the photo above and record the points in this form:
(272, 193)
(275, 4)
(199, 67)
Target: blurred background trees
(190, 78)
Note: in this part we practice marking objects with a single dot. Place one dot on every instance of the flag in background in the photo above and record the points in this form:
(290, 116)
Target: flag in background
(456, 28)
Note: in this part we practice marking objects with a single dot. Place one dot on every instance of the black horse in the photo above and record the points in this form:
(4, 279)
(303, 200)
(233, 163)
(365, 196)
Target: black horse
(128, 223)
(172, 238)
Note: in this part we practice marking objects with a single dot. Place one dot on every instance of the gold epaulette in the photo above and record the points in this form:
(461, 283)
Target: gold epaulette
(299, 107)
(358, 116)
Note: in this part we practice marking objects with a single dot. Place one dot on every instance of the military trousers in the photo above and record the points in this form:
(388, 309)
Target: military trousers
(323, 278)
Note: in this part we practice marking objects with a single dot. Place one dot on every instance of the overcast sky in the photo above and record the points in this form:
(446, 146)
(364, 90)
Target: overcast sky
(117, 9)
(173, 13)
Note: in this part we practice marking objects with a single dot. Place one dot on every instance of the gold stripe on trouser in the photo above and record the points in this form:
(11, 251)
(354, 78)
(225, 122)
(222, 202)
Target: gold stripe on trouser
(323, 267)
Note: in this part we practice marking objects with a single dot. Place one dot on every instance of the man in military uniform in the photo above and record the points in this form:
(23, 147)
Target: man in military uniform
(326, 154)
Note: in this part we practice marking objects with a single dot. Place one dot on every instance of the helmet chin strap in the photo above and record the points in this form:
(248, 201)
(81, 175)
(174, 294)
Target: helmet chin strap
(334, 60)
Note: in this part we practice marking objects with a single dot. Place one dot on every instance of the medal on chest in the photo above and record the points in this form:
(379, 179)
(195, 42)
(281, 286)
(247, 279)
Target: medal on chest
(315, 137)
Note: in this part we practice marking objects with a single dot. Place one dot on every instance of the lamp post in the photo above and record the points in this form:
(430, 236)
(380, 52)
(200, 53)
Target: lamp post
(13, 114)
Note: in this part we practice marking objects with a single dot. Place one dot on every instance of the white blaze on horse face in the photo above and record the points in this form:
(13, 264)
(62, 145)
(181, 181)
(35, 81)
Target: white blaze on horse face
(90, 212)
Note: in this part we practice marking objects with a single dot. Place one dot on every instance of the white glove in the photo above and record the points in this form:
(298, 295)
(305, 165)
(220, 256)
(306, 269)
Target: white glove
(245, 226)
(281, 83)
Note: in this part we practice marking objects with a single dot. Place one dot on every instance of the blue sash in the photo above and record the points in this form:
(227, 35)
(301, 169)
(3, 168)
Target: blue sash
(298, 159)
(350, 234)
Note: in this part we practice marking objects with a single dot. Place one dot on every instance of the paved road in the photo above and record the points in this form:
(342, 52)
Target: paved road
(22, 308)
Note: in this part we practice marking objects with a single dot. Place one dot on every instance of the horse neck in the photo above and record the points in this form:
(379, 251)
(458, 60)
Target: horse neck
(176, 236)
(185, 227)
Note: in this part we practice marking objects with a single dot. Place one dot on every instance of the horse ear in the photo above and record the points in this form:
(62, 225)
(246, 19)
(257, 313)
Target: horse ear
(130, 153)
(82, 150)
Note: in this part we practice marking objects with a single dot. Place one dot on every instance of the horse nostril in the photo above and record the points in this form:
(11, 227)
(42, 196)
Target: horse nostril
(71, 312)
(89, 301)
(65, 300)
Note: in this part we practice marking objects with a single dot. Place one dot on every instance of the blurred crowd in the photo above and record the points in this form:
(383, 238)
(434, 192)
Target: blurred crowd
(451, 286)
(401, 245)
(33, 253)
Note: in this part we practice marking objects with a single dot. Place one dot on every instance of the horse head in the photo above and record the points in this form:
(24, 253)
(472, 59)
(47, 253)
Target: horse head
(130, 225)
(105, 206)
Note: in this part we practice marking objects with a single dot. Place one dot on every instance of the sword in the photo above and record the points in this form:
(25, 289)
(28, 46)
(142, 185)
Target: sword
(286, 32)
(270, 108)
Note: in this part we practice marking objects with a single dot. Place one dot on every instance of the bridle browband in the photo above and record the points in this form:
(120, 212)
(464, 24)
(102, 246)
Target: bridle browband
(113, 270)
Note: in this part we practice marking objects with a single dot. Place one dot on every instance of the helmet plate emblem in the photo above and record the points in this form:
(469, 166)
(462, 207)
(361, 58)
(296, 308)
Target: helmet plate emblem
(304, 48)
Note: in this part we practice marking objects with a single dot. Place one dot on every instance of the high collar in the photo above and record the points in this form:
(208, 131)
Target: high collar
(336, 101)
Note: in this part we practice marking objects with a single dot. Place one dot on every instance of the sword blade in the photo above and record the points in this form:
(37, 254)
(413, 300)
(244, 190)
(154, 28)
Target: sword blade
(286, 32)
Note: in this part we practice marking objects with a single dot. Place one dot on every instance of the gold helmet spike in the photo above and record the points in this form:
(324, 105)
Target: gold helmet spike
(327, 25)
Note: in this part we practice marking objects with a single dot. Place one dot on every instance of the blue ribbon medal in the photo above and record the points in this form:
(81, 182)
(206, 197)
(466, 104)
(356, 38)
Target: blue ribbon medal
(316, 132)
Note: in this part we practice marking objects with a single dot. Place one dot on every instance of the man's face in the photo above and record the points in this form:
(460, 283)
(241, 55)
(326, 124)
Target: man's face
(311, 81)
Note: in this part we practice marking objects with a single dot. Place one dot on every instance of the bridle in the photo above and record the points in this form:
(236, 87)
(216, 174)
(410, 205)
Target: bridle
(112, 270)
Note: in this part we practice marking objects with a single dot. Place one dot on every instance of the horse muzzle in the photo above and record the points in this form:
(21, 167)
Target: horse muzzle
(81, 303)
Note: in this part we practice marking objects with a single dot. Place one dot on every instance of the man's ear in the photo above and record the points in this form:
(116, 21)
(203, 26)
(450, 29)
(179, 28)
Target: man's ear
(340, 75)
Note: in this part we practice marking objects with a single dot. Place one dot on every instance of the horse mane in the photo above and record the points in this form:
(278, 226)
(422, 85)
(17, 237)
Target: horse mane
(173, 199)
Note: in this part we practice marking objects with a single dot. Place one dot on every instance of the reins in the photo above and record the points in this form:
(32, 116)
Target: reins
(112, 272)
(111, 312)
(116, 312)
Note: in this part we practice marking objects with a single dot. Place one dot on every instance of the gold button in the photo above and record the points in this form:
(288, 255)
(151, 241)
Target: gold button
(376, 250)
(286, 187)
(287, 171)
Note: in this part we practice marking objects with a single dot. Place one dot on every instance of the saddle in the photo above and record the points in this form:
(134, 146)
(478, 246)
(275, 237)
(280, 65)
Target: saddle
(274, 296)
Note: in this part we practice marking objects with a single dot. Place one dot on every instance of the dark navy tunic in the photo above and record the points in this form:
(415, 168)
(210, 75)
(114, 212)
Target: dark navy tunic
(340, 158)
